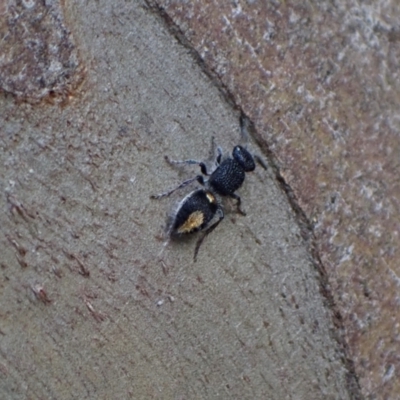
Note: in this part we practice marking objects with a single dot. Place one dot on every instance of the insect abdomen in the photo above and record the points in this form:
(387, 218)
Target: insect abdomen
(194, 213)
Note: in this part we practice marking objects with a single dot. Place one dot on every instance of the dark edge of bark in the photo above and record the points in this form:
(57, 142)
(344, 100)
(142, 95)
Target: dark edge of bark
(306, 226)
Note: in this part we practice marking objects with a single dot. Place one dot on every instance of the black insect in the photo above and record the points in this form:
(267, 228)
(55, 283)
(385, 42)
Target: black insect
(201, 210)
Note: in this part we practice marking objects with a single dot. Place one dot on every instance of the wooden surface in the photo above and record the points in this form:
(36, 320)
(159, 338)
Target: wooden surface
(89, 307)
(321, 82)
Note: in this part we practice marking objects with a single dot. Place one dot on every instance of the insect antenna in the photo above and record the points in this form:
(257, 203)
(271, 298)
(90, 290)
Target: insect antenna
(245, 125)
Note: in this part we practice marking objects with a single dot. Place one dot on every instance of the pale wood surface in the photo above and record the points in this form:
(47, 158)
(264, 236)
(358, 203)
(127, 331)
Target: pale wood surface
(89, 310)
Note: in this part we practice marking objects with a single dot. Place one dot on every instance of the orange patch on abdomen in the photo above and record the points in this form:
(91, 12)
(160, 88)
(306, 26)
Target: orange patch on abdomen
(194, 221)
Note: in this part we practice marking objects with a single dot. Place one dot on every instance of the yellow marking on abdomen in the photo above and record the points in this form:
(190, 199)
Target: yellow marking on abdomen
(194, 220)
(210, 197)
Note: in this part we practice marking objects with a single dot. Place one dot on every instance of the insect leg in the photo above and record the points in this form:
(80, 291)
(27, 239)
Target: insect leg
(207, 232)
(201, 164)
(197, 178)
(177, 162)
(238, 204)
